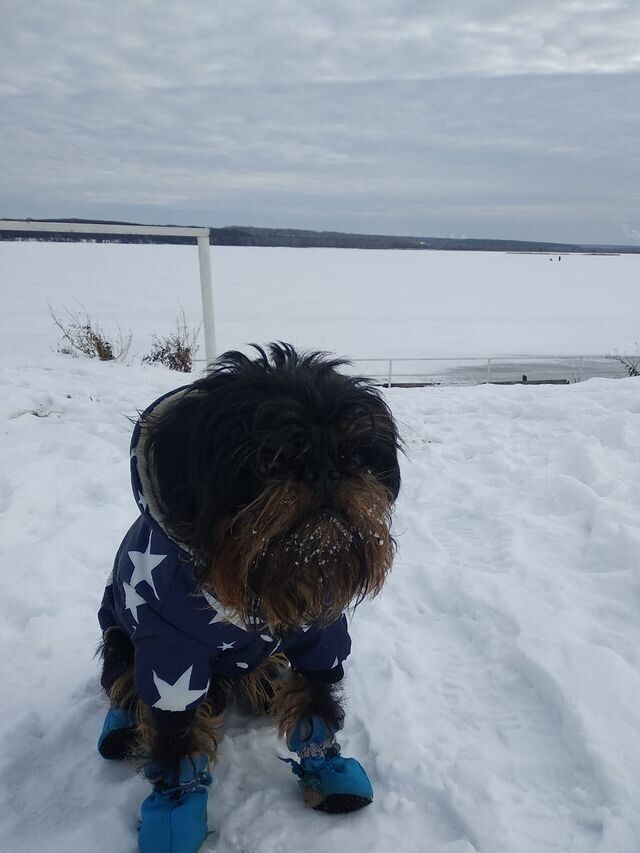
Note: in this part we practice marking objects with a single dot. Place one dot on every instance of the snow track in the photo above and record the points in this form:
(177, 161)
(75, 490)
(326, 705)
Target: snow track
(494, 689)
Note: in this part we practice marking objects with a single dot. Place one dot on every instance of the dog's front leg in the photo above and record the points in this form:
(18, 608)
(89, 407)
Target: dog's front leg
(177, 747)
(308, 713)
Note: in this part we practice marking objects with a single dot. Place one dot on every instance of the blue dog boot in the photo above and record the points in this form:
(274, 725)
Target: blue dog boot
(118, 734)
(174, 815)
(329, 782)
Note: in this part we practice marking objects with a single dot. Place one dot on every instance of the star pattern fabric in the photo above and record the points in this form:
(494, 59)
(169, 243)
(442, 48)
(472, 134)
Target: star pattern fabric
(176, 696)
(132, 600)
(144, 562)
(221, 613)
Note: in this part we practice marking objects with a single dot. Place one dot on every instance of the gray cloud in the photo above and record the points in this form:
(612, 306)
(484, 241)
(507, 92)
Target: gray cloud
(381, 116)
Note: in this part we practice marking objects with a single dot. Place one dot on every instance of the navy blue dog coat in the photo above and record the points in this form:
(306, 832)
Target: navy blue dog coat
(182, 635)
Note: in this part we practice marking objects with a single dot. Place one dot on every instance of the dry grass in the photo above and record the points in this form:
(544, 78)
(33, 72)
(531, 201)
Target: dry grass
(630, 362)
(177, 350)
(83, 336)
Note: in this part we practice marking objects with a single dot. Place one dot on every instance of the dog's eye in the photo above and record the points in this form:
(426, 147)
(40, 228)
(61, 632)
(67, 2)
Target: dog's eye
(270, 467)
(267, 467)
(351, 460)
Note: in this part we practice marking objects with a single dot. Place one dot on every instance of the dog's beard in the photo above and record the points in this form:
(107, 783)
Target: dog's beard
(291, 560)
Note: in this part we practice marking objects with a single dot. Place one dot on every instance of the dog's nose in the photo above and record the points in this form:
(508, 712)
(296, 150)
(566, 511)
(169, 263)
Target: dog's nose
(323, 479)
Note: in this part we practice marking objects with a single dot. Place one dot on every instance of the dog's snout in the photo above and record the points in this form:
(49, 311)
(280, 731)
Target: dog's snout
(324, 479)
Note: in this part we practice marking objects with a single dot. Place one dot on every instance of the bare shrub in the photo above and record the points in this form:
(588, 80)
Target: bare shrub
(177, 350)
(82, 335)
(631, 363)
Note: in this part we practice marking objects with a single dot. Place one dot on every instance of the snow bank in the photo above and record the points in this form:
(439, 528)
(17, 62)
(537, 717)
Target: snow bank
(494, 688)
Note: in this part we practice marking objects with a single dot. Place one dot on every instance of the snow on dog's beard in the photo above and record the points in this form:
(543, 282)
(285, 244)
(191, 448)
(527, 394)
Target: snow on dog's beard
(295, 562)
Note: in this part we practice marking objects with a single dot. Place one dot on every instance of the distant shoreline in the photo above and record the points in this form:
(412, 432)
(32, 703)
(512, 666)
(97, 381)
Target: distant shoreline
(304, 239)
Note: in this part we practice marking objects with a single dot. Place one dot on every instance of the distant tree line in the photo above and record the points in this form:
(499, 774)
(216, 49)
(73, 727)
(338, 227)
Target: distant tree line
(298, 238)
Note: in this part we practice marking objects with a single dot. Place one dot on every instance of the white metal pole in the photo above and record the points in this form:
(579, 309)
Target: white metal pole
(206, 286)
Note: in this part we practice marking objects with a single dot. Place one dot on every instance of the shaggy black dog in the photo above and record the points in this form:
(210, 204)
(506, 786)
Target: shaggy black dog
(266, 490)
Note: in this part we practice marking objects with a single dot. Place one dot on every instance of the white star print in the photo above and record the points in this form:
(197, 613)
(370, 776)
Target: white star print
(226, 646)
(221, 613)
(144, 562)
(176, 696)
(132, 600)
(142, 501)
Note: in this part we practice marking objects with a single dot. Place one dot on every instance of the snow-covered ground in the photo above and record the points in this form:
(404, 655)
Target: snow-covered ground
(494, 688)
(362, 304)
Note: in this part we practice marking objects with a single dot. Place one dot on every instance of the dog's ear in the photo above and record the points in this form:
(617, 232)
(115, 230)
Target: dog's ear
(371, 433)
(380, 453)
(194, 456)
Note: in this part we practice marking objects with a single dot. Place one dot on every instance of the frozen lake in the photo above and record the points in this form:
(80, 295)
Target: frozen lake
(358, 303)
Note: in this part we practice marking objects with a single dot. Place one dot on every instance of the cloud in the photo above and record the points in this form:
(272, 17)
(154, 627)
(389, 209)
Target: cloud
(380, 114)
(74, 46)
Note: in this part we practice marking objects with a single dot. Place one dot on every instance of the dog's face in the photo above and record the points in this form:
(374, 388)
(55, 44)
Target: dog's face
(280, 473)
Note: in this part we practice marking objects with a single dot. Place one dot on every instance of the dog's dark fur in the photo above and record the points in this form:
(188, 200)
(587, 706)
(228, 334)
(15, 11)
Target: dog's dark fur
(279, 475)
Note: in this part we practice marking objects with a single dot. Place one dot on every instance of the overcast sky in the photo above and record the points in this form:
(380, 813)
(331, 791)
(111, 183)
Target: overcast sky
(476, 118)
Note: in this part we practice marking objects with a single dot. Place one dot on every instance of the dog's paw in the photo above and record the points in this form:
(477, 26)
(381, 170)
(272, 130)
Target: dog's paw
(342, 803)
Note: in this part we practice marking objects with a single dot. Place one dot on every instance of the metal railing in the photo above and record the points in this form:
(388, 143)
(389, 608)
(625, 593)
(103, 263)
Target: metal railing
(480, 370)
(477, 370)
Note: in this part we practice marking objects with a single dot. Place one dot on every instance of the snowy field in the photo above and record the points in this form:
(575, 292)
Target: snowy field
(494, 688)
(362, 304)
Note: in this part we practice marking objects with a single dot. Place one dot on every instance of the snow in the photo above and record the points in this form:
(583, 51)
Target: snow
(363, 304)
(493, 693)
